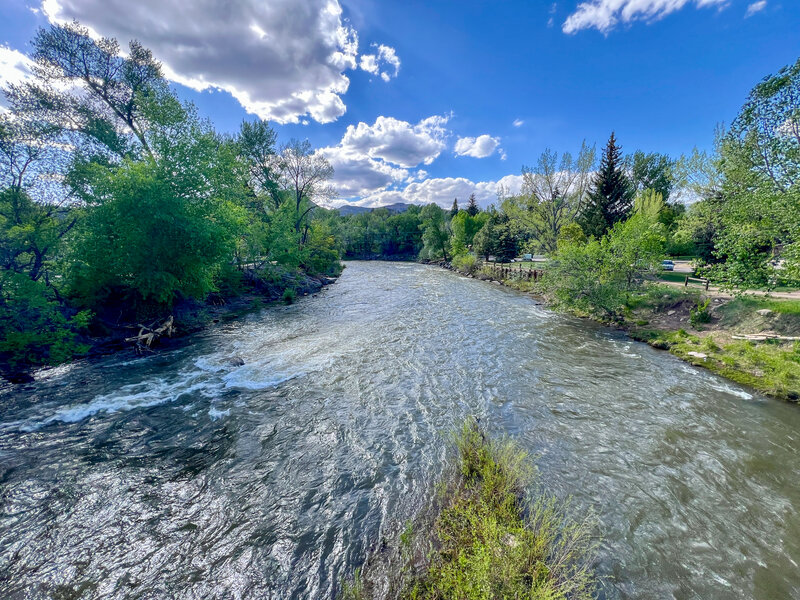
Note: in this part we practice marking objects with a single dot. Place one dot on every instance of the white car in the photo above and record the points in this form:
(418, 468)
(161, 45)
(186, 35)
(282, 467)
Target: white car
(667, 265)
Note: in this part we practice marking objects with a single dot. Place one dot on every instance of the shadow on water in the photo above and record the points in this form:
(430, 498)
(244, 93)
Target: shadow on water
(187, 474)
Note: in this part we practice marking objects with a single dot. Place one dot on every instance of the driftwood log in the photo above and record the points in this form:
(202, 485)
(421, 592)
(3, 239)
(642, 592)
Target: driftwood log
(763, 337)
(147, 335)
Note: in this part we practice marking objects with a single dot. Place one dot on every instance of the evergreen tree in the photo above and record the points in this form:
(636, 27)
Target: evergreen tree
(454, 210)
(472, 207)
(611, 195)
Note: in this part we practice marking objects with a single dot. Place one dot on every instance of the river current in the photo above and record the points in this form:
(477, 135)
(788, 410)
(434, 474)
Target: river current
(186, 474)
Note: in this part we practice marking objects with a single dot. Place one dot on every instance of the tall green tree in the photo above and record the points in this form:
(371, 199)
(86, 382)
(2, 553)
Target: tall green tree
(435, 233)
(553, 195)
(759, 237)
(651, 171)
(472, 206)
(257, 145)
(454, 209)
(611, 195)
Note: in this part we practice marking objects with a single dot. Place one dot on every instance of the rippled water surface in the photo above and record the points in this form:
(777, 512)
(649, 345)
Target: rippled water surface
(182, 475)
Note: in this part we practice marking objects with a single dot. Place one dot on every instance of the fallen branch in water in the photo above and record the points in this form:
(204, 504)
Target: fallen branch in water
(147, 335)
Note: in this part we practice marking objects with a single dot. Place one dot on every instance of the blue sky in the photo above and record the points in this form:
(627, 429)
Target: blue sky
(417, 101)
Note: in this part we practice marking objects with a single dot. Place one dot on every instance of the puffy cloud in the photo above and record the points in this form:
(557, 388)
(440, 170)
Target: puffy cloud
(479, 147)
(15, 67)
(372, 158)
(282, 60)
(441, 191)
(385, 63)
(604, 15)
(399, 142)
(356, 174)
(755, 7)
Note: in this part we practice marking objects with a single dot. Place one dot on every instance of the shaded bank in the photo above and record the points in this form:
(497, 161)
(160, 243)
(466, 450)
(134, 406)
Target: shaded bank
(116, 326)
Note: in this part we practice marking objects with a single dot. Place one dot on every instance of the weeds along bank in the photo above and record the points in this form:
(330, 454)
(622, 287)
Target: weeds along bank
(753, 340)
(485, 535)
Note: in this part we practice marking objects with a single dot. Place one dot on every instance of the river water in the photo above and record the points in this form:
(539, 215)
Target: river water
(182, 475)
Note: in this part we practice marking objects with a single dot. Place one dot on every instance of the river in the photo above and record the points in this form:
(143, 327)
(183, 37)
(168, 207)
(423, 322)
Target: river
(183, 475)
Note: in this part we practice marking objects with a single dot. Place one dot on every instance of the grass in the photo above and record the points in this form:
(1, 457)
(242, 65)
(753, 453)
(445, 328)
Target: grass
(745, 304)
(488, 539)
(772, 368)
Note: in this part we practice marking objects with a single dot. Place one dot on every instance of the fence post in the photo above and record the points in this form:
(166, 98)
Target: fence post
(707, 284)
(686, 282)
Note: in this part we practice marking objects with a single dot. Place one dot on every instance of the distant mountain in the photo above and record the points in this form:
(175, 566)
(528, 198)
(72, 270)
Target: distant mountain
(350, 209)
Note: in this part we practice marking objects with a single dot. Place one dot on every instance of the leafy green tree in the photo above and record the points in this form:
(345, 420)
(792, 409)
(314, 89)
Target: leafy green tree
(553, 195)
(610, 197)
(464, 227)
(257, 145)
(435, 233)
(760, 162)
(597, 276)
(107, 116)
(34, 329)
(304, 174)
(485, 241)
(651, 171)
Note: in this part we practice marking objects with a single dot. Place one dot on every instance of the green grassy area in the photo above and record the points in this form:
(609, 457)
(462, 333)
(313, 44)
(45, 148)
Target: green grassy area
(736, 308)
(772, 368)
(488, 539)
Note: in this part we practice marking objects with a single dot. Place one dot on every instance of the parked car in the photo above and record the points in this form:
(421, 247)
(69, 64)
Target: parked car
(667, 265)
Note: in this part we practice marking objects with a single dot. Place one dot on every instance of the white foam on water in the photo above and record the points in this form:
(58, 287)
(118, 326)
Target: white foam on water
(723, 387)
(214, 413)
(142, 395)
(253, 379)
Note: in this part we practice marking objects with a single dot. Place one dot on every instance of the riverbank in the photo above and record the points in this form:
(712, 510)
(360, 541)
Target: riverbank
(752, 340)
(114, 329)
(485, 535)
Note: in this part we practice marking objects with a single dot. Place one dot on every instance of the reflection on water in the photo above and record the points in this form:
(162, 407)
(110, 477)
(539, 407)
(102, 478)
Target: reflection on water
(187, 474)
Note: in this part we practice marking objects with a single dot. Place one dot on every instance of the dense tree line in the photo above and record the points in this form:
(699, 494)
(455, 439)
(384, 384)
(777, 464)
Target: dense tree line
(115, 194)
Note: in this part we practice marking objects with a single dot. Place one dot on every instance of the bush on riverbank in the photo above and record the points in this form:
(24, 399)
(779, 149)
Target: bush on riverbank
(486, 538)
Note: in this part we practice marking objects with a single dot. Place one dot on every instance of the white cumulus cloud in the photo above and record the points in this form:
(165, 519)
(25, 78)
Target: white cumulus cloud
(478, 147)
(399, 142)
(385, 62)
(282, 60)
(372, 158)
(15, 68)
(605, 15)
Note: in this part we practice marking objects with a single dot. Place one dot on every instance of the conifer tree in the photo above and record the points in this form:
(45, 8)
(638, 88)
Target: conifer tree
(610, 197)
(473, 208)
(454, 210)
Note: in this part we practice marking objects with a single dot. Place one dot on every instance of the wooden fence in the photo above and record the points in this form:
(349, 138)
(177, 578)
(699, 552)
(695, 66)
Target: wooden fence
(702, 280)
(508, 271)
